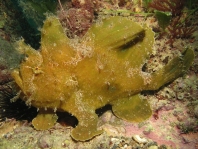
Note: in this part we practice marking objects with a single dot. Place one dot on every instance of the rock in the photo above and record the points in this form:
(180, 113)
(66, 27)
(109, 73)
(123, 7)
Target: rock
(45, 142)
(139, 140)
(196, 111)
(153, 147)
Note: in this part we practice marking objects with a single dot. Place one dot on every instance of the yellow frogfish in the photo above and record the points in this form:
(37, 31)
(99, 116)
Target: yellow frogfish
(103, 67)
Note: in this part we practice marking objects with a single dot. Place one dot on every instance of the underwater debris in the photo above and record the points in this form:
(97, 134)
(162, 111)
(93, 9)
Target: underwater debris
(104, 67)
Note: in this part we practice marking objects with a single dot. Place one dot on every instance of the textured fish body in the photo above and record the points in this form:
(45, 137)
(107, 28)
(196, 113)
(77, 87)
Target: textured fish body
(80, 76)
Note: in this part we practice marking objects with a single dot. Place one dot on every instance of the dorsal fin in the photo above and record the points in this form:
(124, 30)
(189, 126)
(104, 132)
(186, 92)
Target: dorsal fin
(54, 42)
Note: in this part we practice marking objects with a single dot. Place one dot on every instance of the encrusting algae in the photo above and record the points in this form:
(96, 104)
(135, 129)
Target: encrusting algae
(104, 67)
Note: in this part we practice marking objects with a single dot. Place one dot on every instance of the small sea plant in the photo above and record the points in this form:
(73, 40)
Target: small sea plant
(173, 6)
(78, 18)
(178, 29)
(171, 18)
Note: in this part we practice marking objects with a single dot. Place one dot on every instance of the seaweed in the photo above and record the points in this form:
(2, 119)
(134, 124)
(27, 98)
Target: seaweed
(173, 6)
(78, 18)
(178, 29)
(163, 18)
(176, 25)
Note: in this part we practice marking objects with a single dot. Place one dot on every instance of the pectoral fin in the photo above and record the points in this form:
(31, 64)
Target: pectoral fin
(132, 109)
(44, 120)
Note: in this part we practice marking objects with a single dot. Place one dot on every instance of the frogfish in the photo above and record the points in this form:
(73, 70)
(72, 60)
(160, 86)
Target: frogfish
(104, 67)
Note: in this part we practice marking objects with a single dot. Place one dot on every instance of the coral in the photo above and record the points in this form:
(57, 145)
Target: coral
(104, 67)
